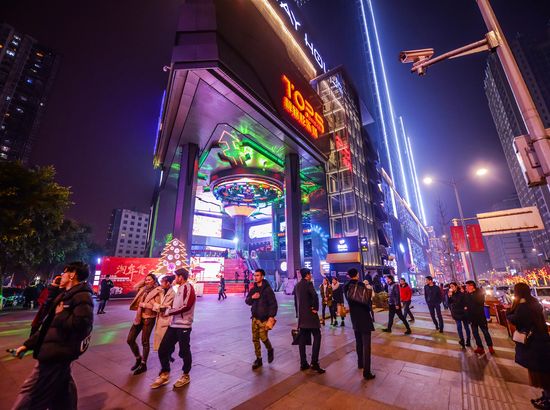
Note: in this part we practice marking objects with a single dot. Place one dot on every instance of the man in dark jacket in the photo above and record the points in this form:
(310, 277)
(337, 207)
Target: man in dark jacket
(475, 313)
(63, 337)
(306, 303)
(264, 309)
(432, 294)
(394, 305)
(50, 293)
(361, 319)
(104, 293)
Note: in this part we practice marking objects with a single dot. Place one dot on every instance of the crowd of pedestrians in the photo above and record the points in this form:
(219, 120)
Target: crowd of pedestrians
(61, 330)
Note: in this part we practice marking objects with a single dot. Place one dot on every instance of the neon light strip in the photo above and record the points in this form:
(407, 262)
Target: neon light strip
(377, 93)
(386, 89)
(159, 123)
(409, 164)
(417, 184)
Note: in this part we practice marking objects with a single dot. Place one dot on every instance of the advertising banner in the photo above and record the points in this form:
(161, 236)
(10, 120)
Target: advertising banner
(125, 273)
(343, 250)
(475, 238)
(458, 239)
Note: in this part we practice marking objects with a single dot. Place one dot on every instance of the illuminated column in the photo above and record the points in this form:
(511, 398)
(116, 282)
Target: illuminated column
(239, 232)
(185, 201)
(293, 215)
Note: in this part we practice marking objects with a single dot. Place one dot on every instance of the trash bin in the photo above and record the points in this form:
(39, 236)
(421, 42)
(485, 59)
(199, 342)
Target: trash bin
(487, 312)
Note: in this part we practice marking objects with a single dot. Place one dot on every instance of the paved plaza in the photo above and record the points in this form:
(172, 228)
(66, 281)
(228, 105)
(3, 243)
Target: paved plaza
(426, 370)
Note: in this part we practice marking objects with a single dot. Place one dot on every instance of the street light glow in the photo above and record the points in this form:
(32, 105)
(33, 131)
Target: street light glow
(428, 180)
(482, 172)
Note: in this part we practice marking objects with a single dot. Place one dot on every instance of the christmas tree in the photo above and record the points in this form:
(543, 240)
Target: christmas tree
(173, 257)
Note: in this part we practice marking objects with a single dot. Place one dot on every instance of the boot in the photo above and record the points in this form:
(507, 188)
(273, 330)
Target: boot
(270, 355)
(461, 343)
(141, 368)
(136, 364)
(257, 363)
(342, 324)
(316, 368)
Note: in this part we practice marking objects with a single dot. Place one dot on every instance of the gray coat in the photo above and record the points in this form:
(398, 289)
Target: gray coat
(305, 301)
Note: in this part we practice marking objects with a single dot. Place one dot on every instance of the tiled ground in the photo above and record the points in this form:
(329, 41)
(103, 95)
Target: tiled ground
(426, 370)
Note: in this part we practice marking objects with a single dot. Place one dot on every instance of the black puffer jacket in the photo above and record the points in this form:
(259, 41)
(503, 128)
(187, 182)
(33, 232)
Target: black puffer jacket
(266, 305)
(475, 311)
(61, 336)
(456, 304)
(432, 294)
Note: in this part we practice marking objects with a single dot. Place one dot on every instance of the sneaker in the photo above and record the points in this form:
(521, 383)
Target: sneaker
(163, 379)
(136, 364)
(316, 368)
(461, 343)
(257, 363)
(342, 324)
(491, 350)
(479, 350)
(182, 381)
(270, 355)
(386, 330)
(140, 369)
(368, 376)
(440, 330)
(304, 366)
(408, 332)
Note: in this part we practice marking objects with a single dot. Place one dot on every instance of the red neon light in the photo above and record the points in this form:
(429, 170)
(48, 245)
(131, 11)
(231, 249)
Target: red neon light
(345, 153)
(301, 110)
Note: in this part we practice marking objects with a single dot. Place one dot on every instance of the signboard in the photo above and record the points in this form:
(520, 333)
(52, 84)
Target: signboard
(207, 226)
(364, 243)
(342, 250)
(458, 239)
(260, 231)
(125, 273)
(474, 238)
(510, 221)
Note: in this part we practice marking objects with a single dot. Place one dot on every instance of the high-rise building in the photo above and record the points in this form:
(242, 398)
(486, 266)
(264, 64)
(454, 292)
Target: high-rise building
(514, 250)
(533, 58)
(27, 70)
(127, 234)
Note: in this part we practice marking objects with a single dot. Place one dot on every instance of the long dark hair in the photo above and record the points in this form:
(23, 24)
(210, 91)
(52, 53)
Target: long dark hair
(521, 291)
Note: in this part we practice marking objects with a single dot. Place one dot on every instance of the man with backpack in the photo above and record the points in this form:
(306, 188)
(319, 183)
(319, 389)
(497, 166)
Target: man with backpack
(63, 336)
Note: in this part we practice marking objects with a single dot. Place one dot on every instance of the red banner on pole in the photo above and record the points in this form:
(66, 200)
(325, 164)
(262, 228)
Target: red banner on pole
(475, 238)
(458, 239)
(126, 272)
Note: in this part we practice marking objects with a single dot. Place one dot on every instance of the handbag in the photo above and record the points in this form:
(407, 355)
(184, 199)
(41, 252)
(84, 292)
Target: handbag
(270, 323)
(522, 337)
(358, 294)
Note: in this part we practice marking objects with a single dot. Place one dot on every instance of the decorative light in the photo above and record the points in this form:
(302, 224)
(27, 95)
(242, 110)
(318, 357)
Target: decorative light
(428, 180)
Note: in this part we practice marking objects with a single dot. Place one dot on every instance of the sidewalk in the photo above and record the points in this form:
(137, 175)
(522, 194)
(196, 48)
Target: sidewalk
(426, 370)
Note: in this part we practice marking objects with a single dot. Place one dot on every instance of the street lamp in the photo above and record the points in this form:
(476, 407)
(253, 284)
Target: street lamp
(453, 183)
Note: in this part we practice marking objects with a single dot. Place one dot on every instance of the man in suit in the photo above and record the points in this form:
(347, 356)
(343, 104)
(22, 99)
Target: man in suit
(104, 293)
(361, 319)
(306, 303)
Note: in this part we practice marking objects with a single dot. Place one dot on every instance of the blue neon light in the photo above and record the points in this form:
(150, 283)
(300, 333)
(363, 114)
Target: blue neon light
(417, 183)
(159, 123)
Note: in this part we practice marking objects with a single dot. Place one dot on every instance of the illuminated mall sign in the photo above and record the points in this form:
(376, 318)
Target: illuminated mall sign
(296, 25)
(301, 109)
(342, 250)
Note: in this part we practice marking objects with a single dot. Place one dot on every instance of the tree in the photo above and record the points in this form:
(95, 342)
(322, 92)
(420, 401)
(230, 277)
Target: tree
(32, 205)
(173, 257)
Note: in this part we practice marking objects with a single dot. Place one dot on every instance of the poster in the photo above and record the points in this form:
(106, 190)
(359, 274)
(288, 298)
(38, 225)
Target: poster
(125, 273)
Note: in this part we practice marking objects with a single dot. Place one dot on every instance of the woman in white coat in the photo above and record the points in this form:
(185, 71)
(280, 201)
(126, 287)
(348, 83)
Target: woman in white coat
(166, 298)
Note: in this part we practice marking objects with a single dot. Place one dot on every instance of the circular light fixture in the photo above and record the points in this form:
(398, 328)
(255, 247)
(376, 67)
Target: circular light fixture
(428, 180)
(482, 172)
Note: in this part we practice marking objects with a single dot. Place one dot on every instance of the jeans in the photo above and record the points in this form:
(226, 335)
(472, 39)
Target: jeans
(407, 309)
(172, 336)
(101, 306)
(433, 309)
(485, 329)
(314, 349)
(259, 332)
(246, 289)
(362, 347)
(332, 310)
(394, 311)
(49, 386)
(459, 324)
(146, 327)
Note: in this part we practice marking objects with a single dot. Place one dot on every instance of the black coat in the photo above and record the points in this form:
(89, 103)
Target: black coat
(535, 355)
(305, 301)
(474, 303)
(60, 336)
(432, 294)
(105, 289)
(456, 305)
(361, 318)
(264, 307)
(338, 294)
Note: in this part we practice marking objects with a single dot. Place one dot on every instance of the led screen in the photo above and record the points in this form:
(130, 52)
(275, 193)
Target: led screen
(206, 202)
(260, 231)
(207, 268)
(207, 226)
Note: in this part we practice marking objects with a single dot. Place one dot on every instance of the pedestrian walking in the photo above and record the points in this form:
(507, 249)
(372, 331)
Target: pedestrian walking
(236, 276)
(63, 336)
(148, 295)
(457, 302)
(432, 295)
(444, 295)
(360, 305)
(532, 341)
(221, 289)
(264, 306)
(338, 300)
(246, 284)
(306, 303)
(405, 293)
(475, 314)
(166, 299)
(394, 305)
(45, 300)
(104, 293)
(326, 300)
(179, 332)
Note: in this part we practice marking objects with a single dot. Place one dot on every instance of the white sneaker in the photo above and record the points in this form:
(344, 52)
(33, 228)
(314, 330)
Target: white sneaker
(164, 378)
(182, 381)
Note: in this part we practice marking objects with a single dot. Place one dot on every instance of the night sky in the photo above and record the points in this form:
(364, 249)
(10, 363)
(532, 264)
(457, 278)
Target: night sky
(100, 123)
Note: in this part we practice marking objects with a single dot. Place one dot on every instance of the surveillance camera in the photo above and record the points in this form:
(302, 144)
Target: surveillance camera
(166, 68)
(414, 56)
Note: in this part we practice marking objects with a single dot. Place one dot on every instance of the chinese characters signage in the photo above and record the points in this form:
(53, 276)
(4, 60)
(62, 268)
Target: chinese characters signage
(301, 109)
(126, 272)
(345, 153)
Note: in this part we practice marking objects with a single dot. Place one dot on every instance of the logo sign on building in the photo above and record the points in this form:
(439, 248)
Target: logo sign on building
(126, 272)
(342, 250)
(458, 239)
(475, 238)
(301, 110)
(343, 149)
(364, 243)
